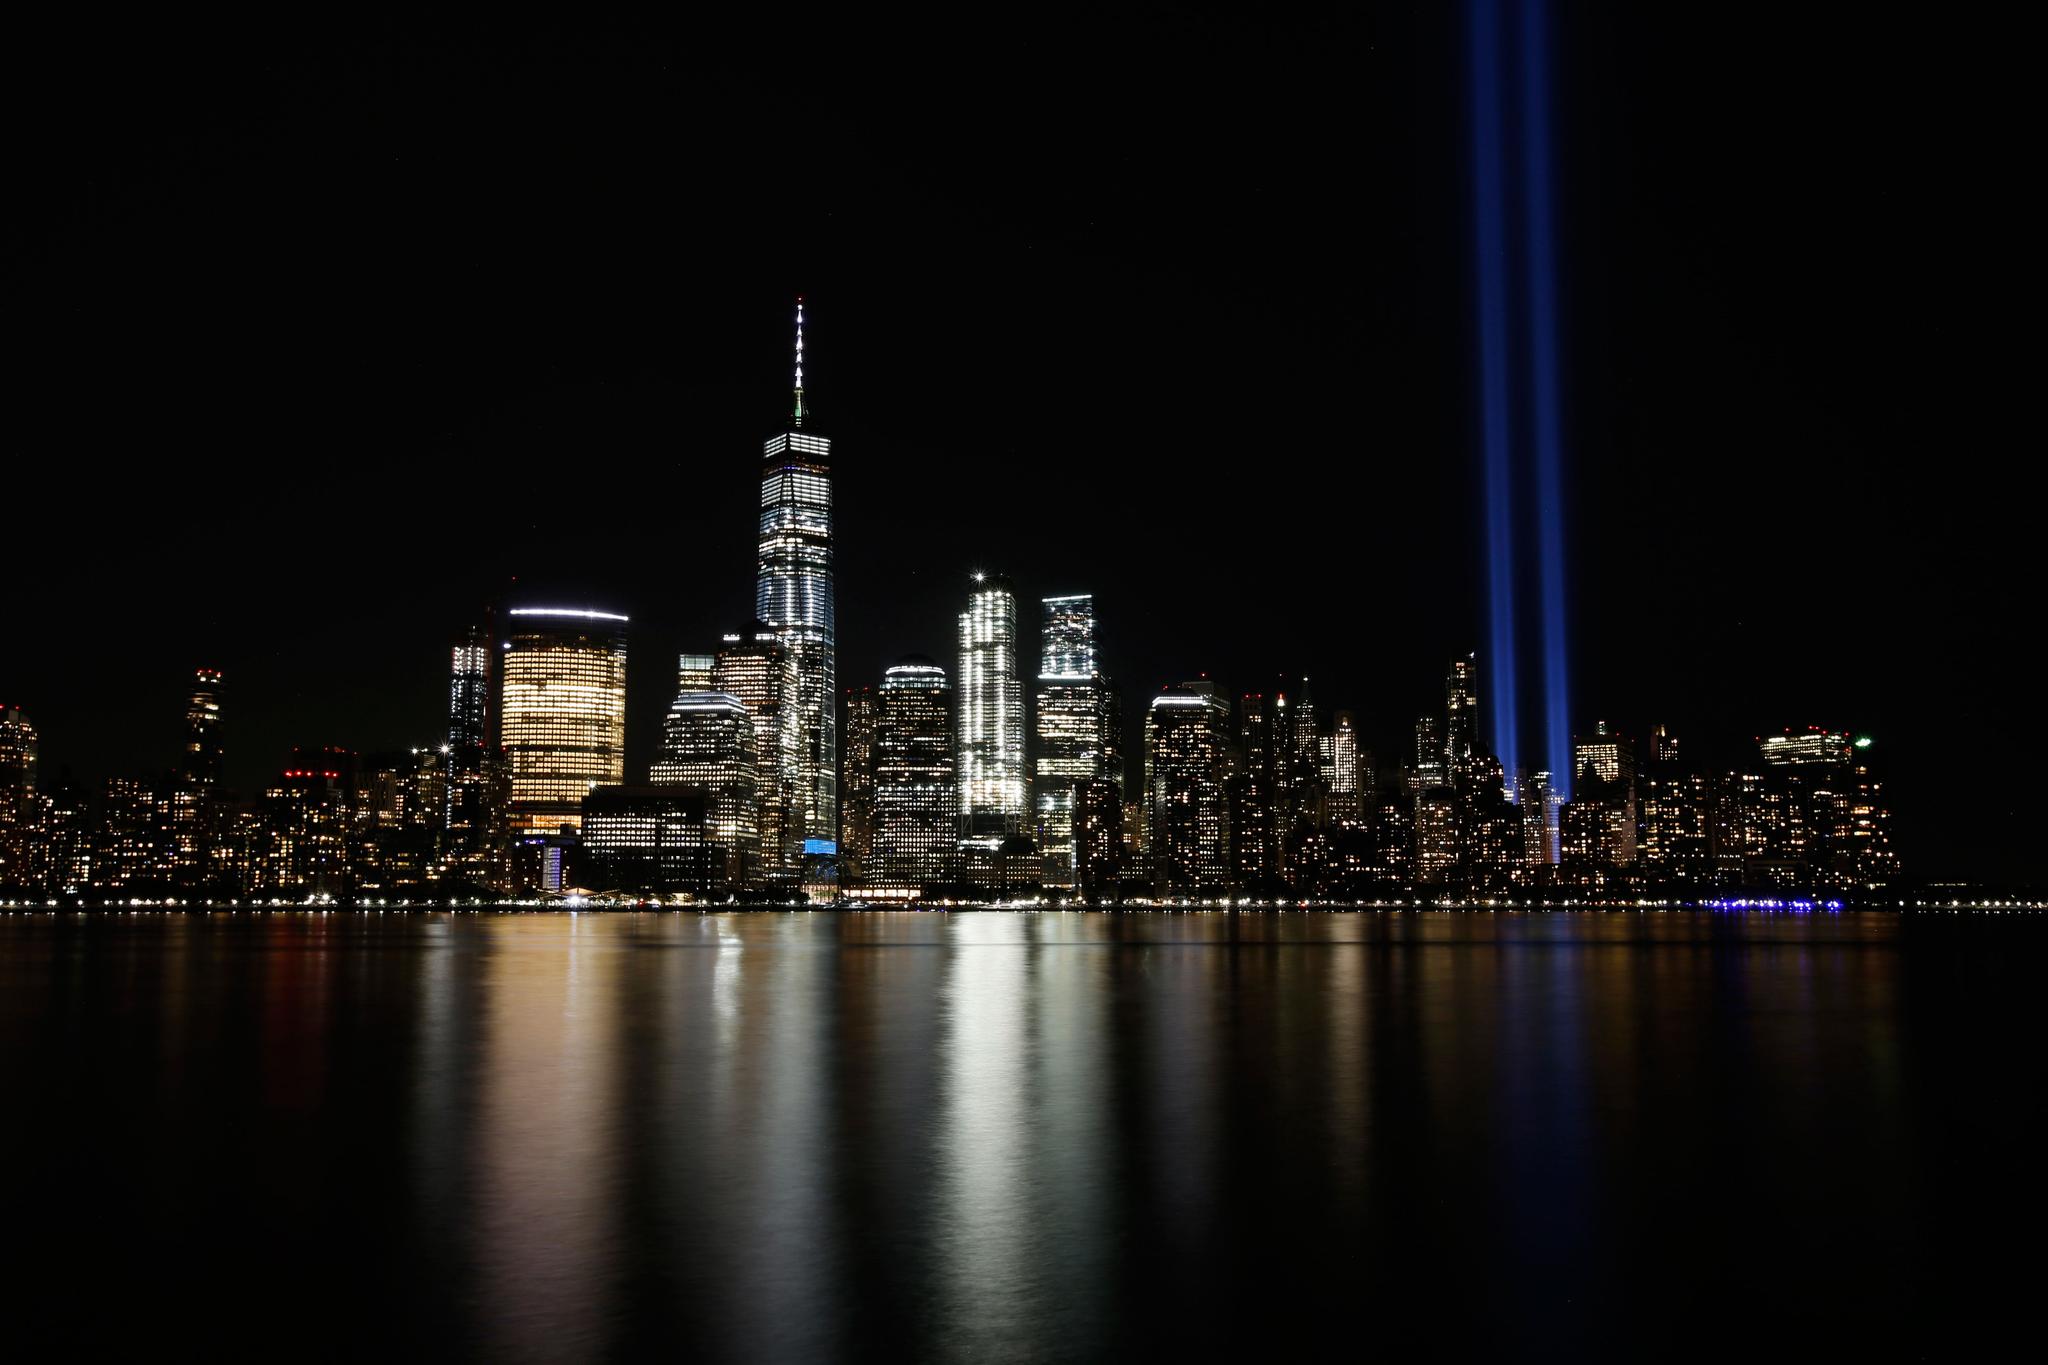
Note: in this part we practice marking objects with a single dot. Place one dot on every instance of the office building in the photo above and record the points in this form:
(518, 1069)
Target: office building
(471, 820)
(1344, 772)
(707, 746)
(202, 755)
(857, 784)
(1187, 764)
(648, 839)
(562, 712)
(1077, 724)
(20, 810)
(1461, 714)
(989, 713)
(916, 793)
(757, 668)
(793, 596)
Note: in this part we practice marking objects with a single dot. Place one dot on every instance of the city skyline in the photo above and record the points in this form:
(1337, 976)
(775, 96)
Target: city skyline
(1772, 515)
(1265, 796)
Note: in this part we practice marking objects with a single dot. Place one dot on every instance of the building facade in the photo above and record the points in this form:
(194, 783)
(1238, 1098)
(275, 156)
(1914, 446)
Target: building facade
(562, 712)
(989, 712)
(756, 667)
(793, 595)
(857, 784)
(1077, 730)
(1187, 764)
(916, 796)
(707, 746)
(646, 839)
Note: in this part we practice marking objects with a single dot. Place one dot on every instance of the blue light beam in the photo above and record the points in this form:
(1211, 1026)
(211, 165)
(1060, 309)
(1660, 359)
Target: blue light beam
(1490, 242)
(1541, 267)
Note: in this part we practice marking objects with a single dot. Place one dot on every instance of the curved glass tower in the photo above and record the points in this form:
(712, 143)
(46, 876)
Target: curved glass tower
(562, 712)
(793, 595)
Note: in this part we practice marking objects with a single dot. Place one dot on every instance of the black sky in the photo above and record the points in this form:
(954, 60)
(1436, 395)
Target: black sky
(327, 331)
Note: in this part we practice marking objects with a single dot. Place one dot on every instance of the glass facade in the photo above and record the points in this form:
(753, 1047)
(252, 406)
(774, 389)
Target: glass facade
(1344, 775)
(19, 807)
(793, 595)
(916, 815)
(857, 785)
(562, 712)
(202, 729)
(759, 670)
(1461, 714)
(650, 838)
(1077, 725)
(469, 694)
(991, 713)
(707, 746)
(1187, 757)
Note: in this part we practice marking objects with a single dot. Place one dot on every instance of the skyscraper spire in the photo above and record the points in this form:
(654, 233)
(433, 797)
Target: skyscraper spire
(797, 416)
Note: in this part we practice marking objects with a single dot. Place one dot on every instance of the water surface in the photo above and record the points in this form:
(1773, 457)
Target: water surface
(797, 1136)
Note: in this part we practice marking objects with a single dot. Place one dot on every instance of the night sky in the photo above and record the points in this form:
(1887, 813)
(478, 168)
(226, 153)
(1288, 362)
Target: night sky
(327, 333)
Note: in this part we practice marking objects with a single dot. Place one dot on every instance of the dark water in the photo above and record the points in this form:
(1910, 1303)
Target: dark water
(1007, 1136)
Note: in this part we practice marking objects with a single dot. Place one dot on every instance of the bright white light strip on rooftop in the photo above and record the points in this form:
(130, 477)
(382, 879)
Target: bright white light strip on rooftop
(568, 611)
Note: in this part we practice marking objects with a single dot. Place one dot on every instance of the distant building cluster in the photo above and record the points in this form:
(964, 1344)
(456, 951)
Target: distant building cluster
(984, 783)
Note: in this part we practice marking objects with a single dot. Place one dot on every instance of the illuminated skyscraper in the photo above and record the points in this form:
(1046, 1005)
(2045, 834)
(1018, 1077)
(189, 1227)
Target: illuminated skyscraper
(1187, 762)
(1098, 838)
(19, 808)
(1461, 714)
(18, 751)
(857, 785)
(1345, 775)
(304, 848)
(707, 745)
(1436, 836)
(469, 734)
(1805, 748)
(202, 729)
(1813, 774)
(194, 812)
(758, 668)
(1077, 732)
(1610, 756)
(793, 595)
(1663, 745)
(651, 838)
(916, 810)
(562, 712)
(1607, 751)
(1540, 806)
(1255, 793)
(991, 713)
(693, 672)
(1428, 768)
(1492, 853)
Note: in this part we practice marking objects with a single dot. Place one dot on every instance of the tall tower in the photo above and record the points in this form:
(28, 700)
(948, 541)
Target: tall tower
(202, 730)
(1461, 714)
(1187, 764)
(17, 795)
(469, 712)
(562, 712)
(915, 799)
(194, 796)
(857, 785)
(758, 668)
(793, 595)
(991, 712)
(1077, 740)
(707, 745)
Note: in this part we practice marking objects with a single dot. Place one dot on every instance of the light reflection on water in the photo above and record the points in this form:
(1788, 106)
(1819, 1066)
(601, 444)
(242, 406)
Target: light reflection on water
(1005, 1136)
